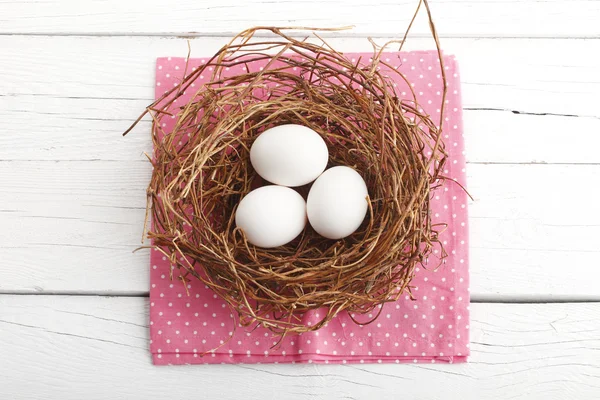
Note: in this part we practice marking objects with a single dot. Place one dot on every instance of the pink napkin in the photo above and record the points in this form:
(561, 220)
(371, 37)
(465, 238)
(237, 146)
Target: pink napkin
(432, 328)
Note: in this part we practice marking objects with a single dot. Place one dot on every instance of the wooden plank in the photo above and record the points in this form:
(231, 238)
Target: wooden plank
(78, 223)
(78, 226)
(531, 238)
(97, 347)
(456, 17)
(62, 105)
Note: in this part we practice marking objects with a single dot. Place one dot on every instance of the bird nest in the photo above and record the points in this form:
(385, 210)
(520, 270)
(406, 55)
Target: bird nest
(201, 170)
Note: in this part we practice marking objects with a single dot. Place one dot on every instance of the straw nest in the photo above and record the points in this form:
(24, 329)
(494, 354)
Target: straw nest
(201, 170)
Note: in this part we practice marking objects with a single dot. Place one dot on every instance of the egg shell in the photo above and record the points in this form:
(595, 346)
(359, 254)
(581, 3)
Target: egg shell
(337, 202)
(289, 155)
(271, 216)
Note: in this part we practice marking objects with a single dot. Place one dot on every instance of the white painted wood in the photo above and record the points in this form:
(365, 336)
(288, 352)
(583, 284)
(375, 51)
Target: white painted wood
(62, 102)
(72, 227)
(72, 196)
(531, 235)
(64, 106)
(97, 348)
(506, 137)
(453, 17)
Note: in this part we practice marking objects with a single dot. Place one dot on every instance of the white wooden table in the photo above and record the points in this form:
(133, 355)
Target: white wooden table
(73, 304)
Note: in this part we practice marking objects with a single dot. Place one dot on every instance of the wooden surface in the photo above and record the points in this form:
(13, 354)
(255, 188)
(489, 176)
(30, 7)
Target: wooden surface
(566, 18)
(73, 75)
(76, 347)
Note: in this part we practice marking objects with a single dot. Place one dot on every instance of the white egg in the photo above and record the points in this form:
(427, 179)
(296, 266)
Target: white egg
(289, 155)
(271, 216)
(337, 202)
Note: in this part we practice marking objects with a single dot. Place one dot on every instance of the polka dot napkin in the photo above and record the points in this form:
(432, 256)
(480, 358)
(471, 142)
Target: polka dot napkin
(432, 328)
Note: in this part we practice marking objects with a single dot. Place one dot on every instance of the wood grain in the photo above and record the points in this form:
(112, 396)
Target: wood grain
(75, 187)
(497, 18)
(79, 222)
(97, 347)
(74, 74)
(63, 102)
